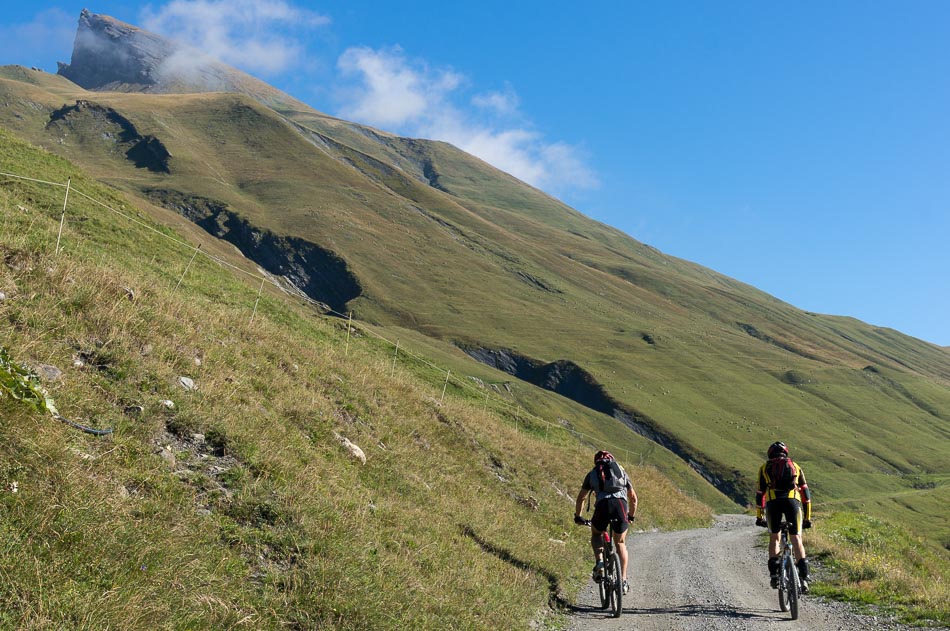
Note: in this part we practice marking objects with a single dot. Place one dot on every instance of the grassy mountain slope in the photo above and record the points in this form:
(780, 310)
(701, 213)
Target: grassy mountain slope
(444, 244)
(262, 521)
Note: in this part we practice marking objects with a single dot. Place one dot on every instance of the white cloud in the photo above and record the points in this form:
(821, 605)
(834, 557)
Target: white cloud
(391, 91)
(503, 103)
(410, 98)
(256, 35)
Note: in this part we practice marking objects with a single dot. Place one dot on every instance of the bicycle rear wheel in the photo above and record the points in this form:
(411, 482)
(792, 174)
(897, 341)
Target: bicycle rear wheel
(792, 579)
(783, 586)
(616, 585)
(604, 594)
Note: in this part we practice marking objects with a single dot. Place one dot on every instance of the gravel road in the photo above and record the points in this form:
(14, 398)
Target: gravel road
(710, 578)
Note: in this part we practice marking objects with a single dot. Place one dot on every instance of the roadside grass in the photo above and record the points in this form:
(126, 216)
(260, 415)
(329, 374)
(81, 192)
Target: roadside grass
(870, 561)
(236, 506)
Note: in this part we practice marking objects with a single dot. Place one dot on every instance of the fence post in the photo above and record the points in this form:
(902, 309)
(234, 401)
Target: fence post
(259, 292)
(187, 267)
(62, 218)
(395, 355)
(444, 386)
(349, 327)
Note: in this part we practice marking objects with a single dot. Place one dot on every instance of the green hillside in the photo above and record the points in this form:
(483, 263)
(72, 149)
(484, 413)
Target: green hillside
(419, 235)
(236, 506)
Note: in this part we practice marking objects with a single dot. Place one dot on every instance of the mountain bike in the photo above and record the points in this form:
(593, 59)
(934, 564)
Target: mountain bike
(610, 585)
(789, 589)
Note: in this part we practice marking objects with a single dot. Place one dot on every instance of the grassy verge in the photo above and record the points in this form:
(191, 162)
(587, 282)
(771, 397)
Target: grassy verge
(873, 562)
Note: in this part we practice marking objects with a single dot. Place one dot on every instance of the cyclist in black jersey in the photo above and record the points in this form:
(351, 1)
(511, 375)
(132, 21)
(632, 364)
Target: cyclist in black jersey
(615, 507)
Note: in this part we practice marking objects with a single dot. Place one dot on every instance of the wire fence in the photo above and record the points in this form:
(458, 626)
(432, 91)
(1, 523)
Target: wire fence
(465, 384)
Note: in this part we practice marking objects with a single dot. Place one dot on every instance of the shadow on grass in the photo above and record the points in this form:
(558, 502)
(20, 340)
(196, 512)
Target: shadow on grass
(555, 599)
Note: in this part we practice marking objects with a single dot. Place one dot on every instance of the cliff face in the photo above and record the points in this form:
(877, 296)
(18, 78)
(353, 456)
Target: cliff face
(133, 57)
(109, 55)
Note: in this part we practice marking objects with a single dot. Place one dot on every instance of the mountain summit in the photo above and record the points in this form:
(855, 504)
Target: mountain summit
(110, 55)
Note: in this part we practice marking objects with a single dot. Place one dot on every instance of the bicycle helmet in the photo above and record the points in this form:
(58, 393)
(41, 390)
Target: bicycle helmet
(778, 450)
(602, 455)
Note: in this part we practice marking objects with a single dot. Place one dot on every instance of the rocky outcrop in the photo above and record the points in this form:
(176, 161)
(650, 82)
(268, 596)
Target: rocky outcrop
(105, 124)
(570, 380)
(320, 273)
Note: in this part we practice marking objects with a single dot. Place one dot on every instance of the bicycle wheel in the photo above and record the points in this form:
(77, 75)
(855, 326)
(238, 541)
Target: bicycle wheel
(793, 587)
(783, 586)
(604, 594)
(616, 584)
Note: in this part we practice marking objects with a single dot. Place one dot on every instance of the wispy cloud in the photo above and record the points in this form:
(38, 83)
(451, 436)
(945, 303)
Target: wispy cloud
(409, 97)
(50, 29)
(257, 35)
(504, 103)
(389, 91)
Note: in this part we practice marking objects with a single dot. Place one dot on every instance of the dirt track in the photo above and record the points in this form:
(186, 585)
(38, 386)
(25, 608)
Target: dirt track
(711, 578)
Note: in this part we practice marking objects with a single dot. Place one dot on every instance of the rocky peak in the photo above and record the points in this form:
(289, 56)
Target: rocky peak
(109, 55)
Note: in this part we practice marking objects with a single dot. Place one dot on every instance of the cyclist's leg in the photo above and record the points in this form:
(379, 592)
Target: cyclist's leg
(798, 546)
(794, 516)
(598, 526)
(619, 526)
(773, 517)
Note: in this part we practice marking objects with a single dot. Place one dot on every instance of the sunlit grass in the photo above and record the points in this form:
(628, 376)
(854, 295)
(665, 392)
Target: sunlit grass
(872, 561)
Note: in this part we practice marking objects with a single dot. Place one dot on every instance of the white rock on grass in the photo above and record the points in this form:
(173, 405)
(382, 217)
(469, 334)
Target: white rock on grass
(355, 451)
(169, 457)
(49, 373)
(187, 383)
(168, 403)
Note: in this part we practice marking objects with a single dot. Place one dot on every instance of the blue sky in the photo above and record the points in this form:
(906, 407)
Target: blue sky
(802, 147)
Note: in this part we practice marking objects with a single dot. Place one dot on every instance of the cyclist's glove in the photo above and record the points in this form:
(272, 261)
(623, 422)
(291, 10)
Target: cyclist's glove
(806, 523)
(631, 517)
(761, 522)
(579, 520)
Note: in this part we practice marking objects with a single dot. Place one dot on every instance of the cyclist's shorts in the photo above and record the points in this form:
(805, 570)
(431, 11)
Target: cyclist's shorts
(612, 511)
(790, 509)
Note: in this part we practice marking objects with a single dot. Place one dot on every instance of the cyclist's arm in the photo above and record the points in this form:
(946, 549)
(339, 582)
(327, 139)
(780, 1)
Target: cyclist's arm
(760, 494)
(631, 500)
(584, 492)
(806, 494)
(579, 503)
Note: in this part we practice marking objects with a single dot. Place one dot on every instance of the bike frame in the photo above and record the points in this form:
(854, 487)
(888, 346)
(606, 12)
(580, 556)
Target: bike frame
(787, 555)
(610, 586)
(788, 588)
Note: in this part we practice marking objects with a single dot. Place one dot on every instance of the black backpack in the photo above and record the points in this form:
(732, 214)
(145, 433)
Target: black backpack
(782, 473)
(610, 478)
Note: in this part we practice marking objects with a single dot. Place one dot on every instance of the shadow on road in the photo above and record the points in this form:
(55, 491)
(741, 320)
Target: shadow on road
(684, 611)
(705, 611)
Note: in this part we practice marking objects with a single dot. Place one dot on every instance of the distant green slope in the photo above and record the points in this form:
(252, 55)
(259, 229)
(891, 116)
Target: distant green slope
(444, 244)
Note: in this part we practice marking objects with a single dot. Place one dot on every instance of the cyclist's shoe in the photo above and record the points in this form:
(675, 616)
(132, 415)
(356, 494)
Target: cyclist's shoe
(803, 568)
(775, 564)
(598, 573)
(626, 586)
(804, 587)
